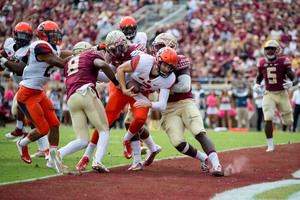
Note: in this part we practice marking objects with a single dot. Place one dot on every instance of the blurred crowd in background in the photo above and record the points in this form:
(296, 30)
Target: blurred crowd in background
(223, 39)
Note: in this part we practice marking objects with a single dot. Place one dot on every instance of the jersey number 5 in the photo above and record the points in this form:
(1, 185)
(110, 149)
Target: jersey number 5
(272, 77)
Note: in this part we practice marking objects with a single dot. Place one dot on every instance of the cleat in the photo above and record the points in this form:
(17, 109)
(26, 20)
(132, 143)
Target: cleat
(82, 163)
(16, 133)
(204, 166)
(56, 161)
(99, 167)
(217, 171)
(39, 153)
(270, 149)
(136, 167)
(47, 154)
(23, 151)
(127, 148)
(50, 165)
(151, 155)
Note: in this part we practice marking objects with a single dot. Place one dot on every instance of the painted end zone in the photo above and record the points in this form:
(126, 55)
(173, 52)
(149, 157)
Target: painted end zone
(168, 179)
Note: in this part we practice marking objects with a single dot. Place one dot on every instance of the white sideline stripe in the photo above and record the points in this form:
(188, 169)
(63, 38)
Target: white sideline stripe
(248, 192)
(44, 177)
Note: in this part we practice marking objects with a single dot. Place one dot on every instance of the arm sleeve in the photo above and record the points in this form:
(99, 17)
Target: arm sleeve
(161, 104)
(183, 85)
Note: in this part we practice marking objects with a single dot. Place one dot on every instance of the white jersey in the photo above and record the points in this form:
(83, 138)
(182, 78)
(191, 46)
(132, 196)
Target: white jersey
(140, 38)
(15, 55)
(142, 65)
(36, 73)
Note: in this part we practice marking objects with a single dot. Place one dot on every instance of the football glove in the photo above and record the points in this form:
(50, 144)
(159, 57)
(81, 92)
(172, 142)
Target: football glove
(257, 88)
(287, 84)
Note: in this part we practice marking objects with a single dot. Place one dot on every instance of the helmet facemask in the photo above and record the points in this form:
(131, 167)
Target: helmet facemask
(54, 37)
(129, 31)
(163, 73)
(22, 38)
(272, 49)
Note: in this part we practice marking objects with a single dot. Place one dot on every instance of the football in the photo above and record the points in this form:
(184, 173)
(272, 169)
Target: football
(134, 83)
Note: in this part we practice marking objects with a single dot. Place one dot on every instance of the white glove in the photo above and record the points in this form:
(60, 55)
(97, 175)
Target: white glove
(287, 84)
(257, 88)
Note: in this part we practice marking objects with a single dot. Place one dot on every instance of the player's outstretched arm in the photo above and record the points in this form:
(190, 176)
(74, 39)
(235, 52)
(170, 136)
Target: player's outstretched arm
(107, 70)
(53, 60)
(16, 67)
(184, 82)
(121, 70)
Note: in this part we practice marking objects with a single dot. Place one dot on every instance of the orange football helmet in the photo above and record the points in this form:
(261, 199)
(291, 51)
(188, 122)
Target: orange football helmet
(49, 32)
(22, 34)
(168, 56)
(128, 26)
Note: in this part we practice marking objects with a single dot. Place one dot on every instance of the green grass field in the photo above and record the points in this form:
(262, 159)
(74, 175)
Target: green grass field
(12, 168)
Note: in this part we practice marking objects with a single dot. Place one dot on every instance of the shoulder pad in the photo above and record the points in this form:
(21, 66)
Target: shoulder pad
(183, 62)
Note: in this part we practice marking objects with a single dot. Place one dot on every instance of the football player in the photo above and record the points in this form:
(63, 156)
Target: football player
(44, 55)
(152, 73)
(15, 57)
(273, 69)
(117, 52)
(181, 111)
(81, 76)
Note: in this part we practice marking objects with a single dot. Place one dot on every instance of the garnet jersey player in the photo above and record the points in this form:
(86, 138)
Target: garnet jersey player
(274, 69)
(83, 100)
(38, 108)
(182, 112)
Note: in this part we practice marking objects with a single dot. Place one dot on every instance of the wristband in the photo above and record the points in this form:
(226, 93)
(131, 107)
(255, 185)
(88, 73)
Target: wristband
(115, 81)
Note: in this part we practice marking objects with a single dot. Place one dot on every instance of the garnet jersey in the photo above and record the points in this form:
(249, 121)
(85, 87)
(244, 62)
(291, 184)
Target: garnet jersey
(274, 72)
(132, 51)
(80, 71)
(142, 66)
(140, 38)
(183, 63)
(37, 73)
(20, 55)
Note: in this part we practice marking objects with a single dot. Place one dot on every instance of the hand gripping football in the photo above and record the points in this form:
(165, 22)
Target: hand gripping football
(137, 86)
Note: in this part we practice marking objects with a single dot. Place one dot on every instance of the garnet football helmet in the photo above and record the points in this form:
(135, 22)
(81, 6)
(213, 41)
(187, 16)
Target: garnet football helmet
(49, 32)
(163, 40)
(22, 34)
(128, 26)
(168, 56)
(272, 49)
(116, 43)
(80, 47)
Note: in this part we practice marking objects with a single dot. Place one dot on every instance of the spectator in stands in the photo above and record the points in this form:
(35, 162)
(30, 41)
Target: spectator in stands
(258, 102)
(226, 104)
(212, 109)
(296, 105)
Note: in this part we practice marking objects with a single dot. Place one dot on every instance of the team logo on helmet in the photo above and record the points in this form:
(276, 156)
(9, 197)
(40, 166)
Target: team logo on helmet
(272, 49)
(80, 47)
(129, 27)
(22, 34)
(49, 32)
(163, 40)
(116, 43)
(169, 57)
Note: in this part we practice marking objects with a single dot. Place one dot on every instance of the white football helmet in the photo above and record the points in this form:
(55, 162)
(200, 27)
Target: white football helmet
(272, 49)
(116, 43)
(163, 40)
(80, 47)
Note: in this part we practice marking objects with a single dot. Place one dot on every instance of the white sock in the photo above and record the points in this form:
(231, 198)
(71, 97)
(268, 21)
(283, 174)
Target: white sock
(24, 129)
(90, 150)
(200, 156)
(43, 143)
(102, 145)
(128, 135)
(150, 143)
(25, 141)
(270, 143)
(19, 124)
(136, 148)
(214, 159)
(73, 147)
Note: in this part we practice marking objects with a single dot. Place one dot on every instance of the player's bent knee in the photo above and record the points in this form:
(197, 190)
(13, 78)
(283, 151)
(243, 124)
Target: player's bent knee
(287, 118)
(43, 128)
